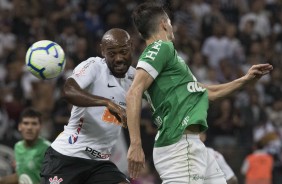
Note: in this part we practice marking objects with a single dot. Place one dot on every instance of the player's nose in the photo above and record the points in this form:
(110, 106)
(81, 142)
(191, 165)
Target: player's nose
(119, 58)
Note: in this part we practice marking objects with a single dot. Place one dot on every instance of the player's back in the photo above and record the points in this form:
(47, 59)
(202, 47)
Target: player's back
(175, 95)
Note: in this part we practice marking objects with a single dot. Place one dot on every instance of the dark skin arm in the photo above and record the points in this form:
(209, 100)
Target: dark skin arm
(73, 93)
(232, 180)
(10, 179)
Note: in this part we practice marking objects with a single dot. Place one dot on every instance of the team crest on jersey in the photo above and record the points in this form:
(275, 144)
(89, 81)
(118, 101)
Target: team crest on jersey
(55, 180)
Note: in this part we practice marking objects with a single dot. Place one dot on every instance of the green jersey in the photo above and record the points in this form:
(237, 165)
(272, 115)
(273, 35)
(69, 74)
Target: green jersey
(176, 98)
(29, 160)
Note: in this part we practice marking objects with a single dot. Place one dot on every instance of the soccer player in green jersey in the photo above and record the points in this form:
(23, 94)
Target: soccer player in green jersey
(179, 104)
(29, 152)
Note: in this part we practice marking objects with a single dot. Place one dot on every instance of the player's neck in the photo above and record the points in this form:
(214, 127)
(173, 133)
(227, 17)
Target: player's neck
(158, 36)
(29, 143)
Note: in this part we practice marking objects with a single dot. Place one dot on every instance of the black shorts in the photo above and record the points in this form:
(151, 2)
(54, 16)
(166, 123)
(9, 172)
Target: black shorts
(72, 170)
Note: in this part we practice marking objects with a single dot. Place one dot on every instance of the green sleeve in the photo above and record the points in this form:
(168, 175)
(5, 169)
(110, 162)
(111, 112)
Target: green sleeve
(156, 56)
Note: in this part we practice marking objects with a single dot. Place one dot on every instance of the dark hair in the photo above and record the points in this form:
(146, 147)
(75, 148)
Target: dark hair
(30, 112)
(146, 16)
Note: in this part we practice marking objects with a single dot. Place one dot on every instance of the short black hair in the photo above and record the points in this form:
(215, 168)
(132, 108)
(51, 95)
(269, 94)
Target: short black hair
(145, 18)
(30, 112)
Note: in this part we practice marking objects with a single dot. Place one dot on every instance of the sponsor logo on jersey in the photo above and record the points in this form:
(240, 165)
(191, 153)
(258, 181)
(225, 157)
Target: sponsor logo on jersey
(194, 87)
(83, 69)
(97, 154)
(118, 102)
(122, 103)
(55, 180)
(185, 121)
(108, 117)
(73, 138)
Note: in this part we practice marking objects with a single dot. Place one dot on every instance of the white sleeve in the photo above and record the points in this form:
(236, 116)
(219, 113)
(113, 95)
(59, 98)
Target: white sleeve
(228, 172)
(85, 73)
(226, 169)
(245, 167)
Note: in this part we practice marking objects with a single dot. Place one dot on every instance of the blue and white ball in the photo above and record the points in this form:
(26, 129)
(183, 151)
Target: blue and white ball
(45, 59)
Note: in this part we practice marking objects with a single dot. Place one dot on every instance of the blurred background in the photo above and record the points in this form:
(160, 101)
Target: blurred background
(218, 39)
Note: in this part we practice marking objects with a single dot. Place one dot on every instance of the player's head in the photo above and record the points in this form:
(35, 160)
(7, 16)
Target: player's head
(30, 124)
(150, 19)
(116, 47)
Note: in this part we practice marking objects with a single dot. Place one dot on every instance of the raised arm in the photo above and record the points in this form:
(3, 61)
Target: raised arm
(135, 156)
(79, 97)
(216, 92)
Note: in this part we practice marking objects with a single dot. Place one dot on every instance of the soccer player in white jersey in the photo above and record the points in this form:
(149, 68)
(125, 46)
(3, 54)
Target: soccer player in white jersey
(226, 169)
(179, 105)
(97, 88)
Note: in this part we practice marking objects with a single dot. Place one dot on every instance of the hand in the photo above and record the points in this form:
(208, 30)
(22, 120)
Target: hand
(136, 160)
(118, 112)
(257, 71)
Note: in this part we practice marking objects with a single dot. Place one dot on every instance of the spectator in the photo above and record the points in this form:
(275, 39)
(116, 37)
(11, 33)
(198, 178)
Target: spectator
(216, 47)
(257, 167)
(226, 169)
(260, 18)
(30, 151)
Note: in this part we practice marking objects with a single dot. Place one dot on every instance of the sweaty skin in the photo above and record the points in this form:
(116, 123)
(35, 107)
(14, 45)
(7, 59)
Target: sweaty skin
(118, 59)
(116, 50)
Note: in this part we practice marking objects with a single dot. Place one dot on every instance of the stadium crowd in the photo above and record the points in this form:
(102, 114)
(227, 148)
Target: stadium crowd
(218, 39)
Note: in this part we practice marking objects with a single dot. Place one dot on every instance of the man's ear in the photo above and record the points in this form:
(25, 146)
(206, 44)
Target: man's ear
(19, 127)
(131, 46)
(163, 24)
(102, 50)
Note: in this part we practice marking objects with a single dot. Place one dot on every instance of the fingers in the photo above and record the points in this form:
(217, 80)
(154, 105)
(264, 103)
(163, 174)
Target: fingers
(260, 69)
(258, 72)
(263, 67)
(123, 118)
(119, 113)
(136, 161)
(135, 168)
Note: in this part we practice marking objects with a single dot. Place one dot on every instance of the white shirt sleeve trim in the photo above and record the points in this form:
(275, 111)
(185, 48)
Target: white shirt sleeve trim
(148, 68)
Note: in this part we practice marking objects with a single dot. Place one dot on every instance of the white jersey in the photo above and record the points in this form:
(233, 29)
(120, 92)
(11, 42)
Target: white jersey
(222, 163)
(92, 131)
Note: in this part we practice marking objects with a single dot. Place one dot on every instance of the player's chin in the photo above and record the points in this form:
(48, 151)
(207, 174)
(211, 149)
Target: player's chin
(29, 137)
(120, 70)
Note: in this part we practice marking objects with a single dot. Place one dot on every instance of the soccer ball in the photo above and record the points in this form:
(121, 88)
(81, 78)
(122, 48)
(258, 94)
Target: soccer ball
(45, 59)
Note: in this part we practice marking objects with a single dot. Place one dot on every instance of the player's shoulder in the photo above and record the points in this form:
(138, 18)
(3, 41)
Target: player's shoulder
(210, 149)
(131, 71)
(93, 61)
(158, 48)
(44, 142)
(19, 145)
